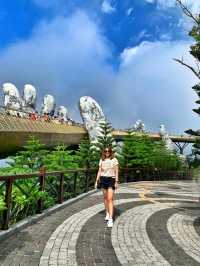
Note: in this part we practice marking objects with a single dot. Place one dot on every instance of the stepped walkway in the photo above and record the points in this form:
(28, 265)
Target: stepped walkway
(156, 223)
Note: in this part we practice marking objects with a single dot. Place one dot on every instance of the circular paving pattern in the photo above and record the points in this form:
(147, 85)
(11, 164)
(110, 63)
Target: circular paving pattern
(156, 223)
(79, 241)
(181, 229)
(61, 247)
(130, 239)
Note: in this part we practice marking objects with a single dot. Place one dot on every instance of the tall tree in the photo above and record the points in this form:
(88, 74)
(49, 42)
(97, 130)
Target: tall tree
(85, 155)
(60, 158)
(137, 150)
(127, 151)
(30, 158)
(104, 140)
(140, 151)
(195, 52)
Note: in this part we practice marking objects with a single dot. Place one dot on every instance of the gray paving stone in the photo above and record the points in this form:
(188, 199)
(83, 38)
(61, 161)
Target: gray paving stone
(97, 235)
(157, 231)
(34, 238)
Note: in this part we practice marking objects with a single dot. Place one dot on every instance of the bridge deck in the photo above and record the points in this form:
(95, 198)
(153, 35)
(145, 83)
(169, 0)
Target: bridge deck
(156, 223)
(14, 132)
(155, 136)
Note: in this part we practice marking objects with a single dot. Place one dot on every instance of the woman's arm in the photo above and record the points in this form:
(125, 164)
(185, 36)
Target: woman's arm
(98, 174)
(116, 175)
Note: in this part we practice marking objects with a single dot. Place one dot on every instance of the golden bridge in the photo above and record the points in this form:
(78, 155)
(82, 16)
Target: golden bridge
(14, 132)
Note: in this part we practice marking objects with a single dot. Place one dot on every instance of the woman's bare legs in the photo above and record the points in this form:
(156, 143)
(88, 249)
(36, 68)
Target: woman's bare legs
(105, 192)
(110, 195)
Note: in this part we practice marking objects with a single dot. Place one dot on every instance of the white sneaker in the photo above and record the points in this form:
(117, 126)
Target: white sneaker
(107, 217)
(110, 222)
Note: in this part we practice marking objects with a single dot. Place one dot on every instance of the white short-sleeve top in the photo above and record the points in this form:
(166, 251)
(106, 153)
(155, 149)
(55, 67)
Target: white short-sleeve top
(108, 166)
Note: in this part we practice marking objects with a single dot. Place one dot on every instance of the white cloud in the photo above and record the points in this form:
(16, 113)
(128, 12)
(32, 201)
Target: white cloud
(142, 35)
(68, 57)
(194, 5)
(157, 88)
(166, 3)
(185, 23)
(166, 37)
(150, 1)
(107, 7)
(129, 54)
(129, 11)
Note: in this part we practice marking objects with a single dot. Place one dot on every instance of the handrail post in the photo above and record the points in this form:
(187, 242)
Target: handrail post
(155, 172)
(61, 189)
(190, 173)
(75, 183)
(41, 184)
(8, 199)
(126, 173)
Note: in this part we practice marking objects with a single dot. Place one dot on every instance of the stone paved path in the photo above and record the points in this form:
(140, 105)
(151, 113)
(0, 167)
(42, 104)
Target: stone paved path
(156, 223)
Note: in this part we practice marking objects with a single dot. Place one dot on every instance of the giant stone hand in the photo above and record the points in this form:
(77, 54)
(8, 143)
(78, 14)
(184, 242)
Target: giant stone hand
(92, 116)
(48, 106)
(29, 98)
(12, 99)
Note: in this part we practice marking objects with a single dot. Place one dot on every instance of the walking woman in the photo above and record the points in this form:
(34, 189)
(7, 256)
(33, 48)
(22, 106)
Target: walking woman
(108, 177)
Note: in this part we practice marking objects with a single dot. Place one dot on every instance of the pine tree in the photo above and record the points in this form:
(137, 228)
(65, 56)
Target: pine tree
(30, 158)
(127, 151)
(137, 151)
(60, 159)
(164, 159)
(85, 155)
(105, 139)
(26, 191)
(142, 152)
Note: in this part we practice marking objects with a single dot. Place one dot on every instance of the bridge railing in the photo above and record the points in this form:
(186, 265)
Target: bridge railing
(8, 113)
(154, 174)
(42, 190)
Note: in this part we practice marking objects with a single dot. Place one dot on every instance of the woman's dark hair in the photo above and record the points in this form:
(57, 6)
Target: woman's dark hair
(103, 155)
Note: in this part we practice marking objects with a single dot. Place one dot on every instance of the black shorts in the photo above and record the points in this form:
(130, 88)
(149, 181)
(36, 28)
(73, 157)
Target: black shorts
(107, 182)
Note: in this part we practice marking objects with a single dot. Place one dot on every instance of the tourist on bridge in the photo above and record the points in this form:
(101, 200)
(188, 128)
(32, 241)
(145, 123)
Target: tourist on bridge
(107, 179)
(33, 116)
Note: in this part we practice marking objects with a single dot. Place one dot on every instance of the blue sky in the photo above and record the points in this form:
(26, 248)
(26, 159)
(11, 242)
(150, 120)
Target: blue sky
(126, 23)
(117, 51)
